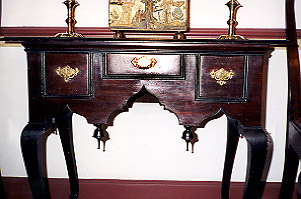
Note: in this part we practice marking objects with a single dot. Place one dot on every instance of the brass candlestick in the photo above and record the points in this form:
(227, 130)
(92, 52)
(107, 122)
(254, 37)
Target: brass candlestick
(233, 6)
(71, 5)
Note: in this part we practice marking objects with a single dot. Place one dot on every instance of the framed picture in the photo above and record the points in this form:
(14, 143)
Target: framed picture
(148, 15)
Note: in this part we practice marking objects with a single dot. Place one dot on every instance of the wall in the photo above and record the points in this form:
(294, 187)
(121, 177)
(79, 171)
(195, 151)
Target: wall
(146, 141)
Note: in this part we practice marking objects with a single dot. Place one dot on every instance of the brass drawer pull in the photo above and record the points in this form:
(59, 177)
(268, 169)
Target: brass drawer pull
(67, 72)
(144, 62)
(222, 75)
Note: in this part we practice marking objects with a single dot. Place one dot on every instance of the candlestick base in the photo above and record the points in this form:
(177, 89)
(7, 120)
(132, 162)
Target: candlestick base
(238, 37)
(74, 35)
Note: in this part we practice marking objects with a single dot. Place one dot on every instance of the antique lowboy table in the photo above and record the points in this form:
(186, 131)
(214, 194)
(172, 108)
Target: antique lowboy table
(197, 80)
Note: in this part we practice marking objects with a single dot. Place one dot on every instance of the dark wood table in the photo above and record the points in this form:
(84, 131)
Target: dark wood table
(197, 80)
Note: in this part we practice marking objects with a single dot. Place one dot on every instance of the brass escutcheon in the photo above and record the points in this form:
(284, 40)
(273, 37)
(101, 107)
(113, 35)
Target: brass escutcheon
(67, 72)
(144, 62)
(222, 75)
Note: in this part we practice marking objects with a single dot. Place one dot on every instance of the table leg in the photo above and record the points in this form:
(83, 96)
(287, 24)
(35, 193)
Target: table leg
(33, 143)
(64, 124)
(232, 142)
(259, 157)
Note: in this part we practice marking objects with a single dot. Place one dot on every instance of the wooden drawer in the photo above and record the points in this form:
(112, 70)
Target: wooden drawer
(222, 78)
(140, 66)
(66, 75)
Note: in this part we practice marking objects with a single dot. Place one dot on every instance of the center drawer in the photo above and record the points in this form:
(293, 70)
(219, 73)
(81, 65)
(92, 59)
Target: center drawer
(143, 66)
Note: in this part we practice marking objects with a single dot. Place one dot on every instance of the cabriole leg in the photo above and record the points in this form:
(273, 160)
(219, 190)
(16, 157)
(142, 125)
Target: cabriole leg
(33, 143)
(259, 157)
(232, 142)
(64, 124)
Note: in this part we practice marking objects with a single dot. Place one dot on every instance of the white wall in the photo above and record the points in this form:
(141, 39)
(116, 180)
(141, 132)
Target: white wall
(146, 141)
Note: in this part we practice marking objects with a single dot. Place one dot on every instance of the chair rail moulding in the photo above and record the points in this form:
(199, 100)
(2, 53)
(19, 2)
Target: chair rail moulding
(262, 33)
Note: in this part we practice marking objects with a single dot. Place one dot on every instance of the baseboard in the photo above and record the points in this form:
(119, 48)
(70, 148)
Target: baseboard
(133, 189)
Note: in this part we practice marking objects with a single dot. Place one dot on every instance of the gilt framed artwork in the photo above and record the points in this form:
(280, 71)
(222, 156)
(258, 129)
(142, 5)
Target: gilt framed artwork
(148, 15)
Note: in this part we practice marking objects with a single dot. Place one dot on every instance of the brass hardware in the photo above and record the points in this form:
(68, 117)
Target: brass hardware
(233, 6)
(67, 72)
(222, 75)
(71, 5)
(144, 62)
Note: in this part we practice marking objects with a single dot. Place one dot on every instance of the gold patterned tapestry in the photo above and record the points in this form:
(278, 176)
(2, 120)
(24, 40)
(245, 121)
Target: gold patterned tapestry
(148, 15)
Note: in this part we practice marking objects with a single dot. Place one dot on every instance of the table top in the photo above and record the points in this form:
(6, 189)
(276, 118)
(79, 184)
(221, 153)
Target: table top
(162, 41)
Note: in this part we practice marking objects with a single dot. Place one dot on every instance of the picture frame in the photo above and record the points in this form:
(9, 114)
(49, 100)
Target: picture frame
(149, 15)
